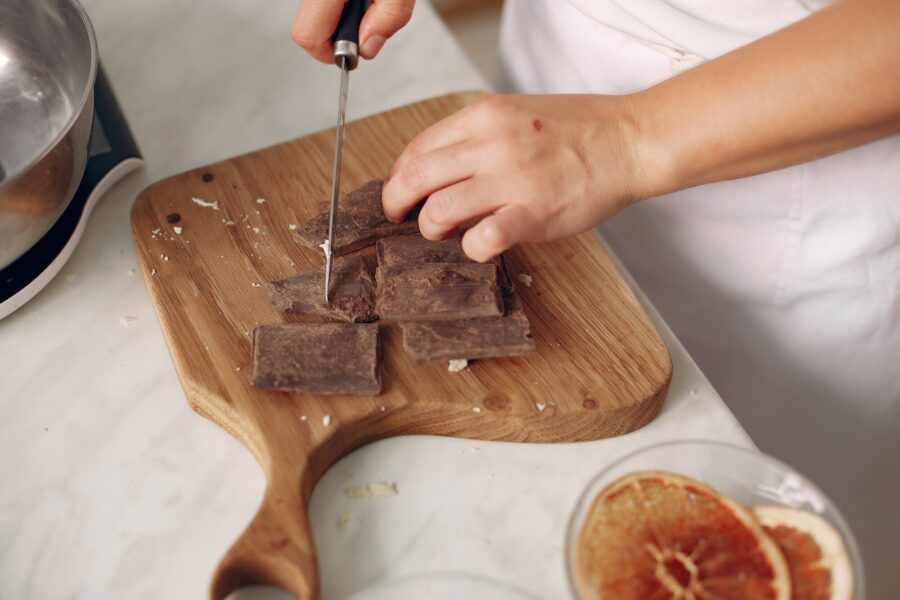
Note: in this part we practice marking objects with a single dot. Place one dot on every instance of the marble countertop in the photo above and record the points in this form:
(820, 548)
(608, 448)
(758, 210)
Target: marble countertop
(113, 488)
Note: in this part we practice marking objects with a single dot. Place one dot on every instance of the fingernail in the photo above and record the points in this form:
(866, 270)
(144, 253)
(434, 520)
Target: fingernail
(387, 216)
(372, 45)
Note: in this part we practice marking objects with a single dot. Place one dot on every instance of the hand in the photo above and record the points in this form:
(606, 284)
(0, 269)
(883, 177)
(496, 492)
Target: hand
(526, 168)
(316, 21)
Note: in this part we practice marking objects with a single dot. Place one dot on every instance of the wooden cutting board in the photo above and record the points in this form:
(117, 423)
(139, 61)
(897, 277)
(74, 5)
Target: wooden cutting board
(600, 369)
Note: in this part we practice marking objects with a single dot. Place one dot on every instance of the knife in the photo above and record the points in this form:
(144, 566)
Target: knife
(346, 56)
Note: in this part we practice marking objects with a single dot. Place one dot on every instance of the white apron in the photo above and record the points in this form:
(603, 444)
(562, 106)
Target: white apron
(785, 287)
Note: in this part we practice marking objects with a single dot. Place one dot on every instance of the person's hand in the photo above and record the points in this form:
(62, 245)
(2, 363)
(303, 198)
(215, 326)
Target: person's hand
(522, 168)
(316, 21)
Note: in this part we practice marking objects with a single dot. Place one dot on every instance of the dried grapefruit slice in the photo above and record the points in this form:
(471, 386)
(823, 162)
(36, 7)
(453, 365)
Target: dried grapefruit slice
(658, 536)
(815, 553)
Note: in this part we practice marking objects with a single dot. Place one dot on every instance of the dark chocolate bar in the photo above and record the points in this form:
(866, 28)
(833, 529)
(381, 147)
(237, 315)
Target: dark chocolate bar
(352, 292)
(318, 358)
(406, 250)
(509, 335)
(359, 222)
(438, 292)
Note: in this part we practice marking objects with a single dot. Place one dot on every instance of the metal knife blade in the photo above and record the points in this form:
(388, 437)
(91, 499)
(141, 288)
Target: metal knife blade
(336, 172)
(346, 56)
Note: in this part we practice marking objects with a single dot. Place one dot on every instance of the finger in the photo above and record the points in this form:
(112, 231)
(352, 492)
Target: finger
(481, 117)
(425, 174)
(500, 232)
(450, 130)
(383, 19)
(314, 25)
(454, 205)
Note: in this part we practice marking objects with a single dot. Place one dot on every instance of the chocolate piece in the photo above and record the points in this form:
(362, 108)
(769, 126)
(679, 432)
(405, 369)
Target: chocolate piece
(317, 358)
(506, 284)
(409, 250)
(352, 292)
(438, 292)
(360, 221)
(509, 335)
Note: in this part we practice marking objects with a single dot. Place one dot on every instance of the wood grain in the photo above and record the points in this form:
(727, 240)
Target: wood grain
(600, 368)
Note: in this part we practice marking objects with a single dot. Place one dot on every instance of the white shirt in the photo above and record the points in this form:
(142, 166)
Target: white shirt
(785, 287)
(708, 28)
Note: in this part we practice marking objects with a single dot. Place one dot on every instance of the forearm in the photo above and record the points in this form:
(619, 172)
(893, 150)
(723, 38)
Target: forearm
(827, 83)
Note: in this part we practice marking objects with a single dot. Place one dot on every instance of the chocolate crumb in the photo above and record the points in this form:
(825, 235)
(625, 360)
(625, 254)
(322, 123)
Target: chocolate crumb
(173, 218)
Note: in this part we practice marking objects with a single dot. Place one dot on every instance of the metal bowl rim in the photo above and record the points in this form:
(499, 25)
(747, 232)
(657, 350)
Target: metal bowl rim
(85, 96)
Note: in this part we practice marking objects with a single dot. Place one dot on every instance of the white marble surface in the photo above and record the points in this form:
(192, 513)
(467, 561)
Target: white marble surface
(113, 488)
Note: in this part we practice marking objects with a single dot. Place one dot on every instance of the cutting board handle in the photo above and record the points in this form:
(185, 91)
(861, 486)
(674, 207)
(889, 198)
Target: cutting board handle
(276, 548)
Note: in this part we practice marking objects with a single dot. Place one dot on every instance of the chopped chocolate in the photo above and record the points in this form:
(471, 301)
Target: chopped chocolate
(438, 292)
(360, 221)
(506, 284)
(407, 250)
(509, 335)
(352, 297)
(317, 358)
(414, 250)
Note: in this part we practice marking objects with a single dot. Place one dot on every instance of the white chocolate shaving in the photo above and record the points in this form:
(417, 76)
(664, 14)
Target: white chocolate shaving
(326, 248)
(373, 490)
(458, 364)
(526, 279)
(205, 204)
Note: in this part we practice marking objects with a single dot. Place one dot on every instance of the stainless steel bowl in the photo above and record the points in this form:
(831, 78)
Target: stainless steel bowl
(48, 64)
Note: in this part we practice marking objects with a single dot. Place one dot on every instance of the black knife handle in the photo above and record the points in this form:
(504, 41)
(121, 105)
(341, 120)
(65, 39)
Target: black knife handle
(346, 36)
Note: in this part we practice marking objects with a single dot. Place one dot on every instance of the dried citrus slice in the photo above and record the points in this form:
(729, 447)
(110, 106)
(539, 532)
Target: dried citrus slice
(815, 553)
(659, 536)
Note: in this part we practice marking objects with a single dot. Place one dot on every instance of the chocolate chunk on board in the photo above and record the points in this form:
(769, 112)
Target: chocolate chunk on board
(509, 335)
(438, 292)
(352, 292)
(359, 222)
(408, 250)
(318, 358)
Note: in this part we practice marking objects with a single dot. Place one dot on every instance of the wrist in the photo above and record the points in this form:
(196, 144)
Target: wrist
(655, 159)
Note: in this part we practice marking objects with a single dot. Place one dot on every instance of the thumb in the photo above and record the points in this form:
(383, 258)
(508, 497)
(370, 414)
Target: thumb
(383, 19)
